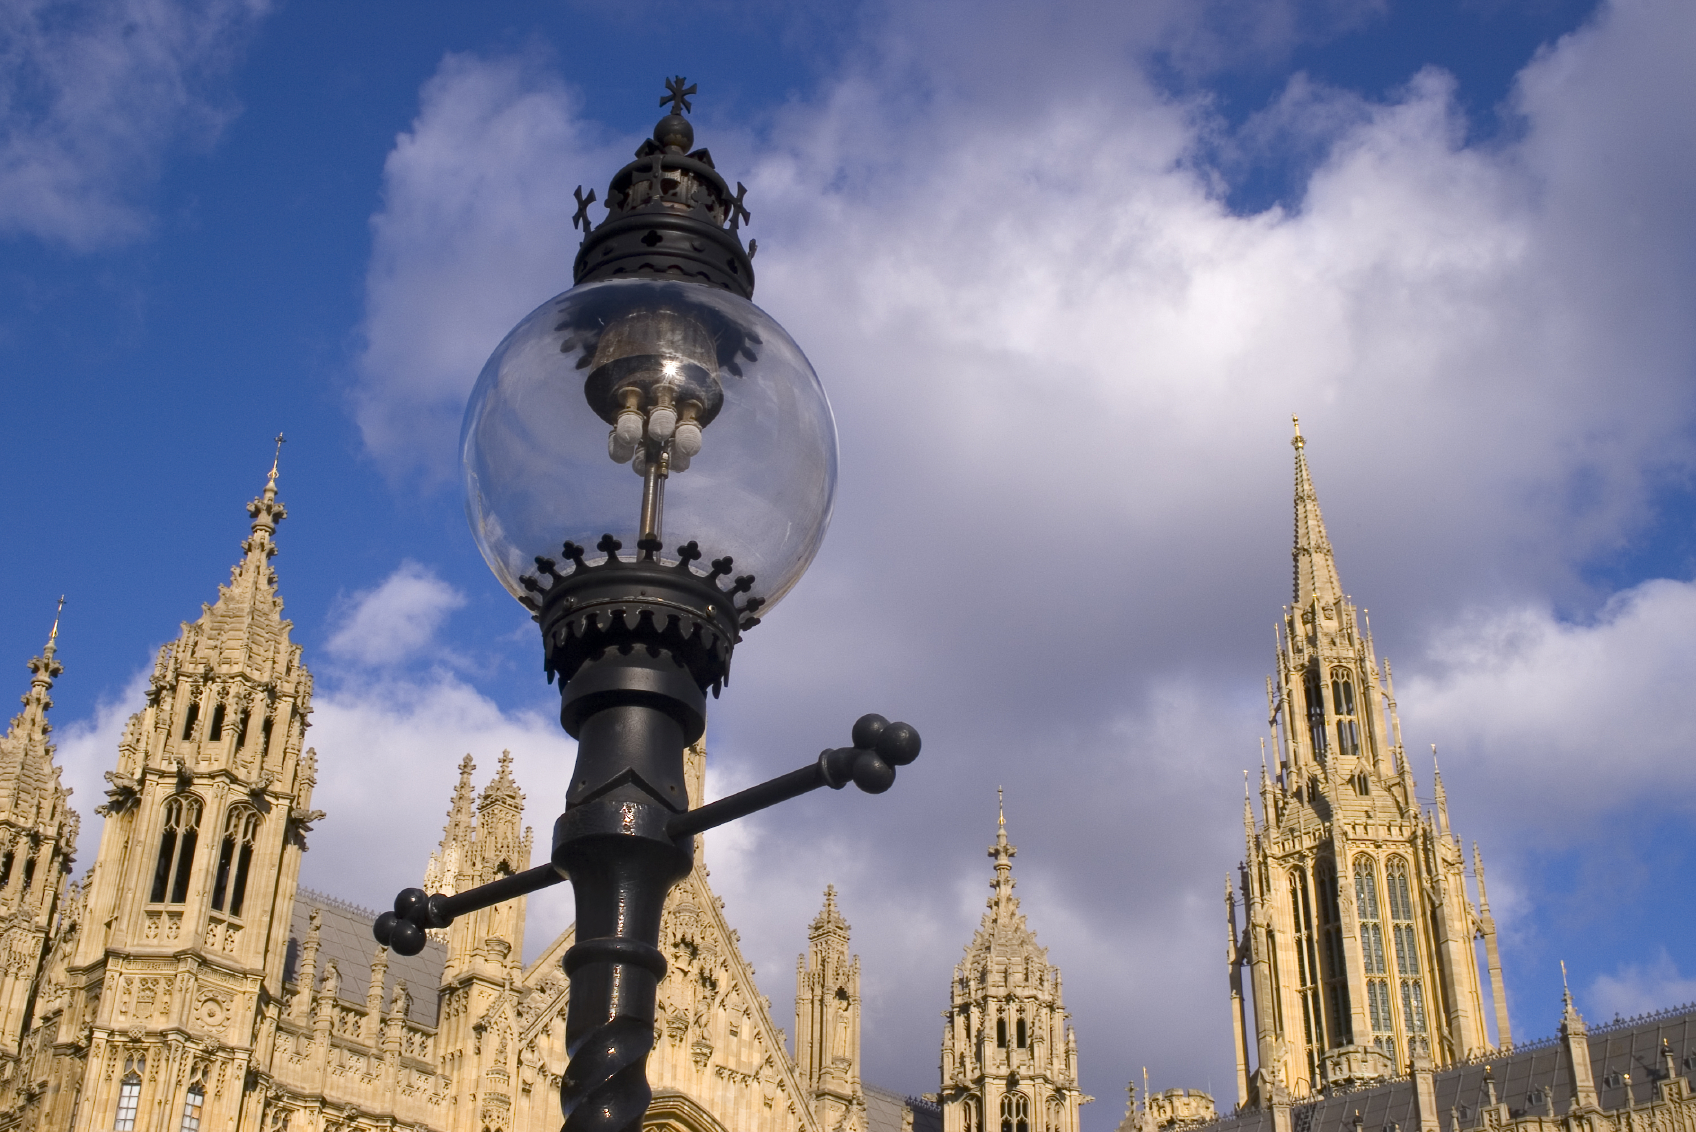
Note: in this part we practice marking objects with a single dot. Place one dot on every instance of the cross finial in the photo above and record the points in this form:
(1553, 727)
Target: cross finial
(739, 214)
(678, 94)
(281, 440)
(53, 634)
(583, 203)
(1295, 422)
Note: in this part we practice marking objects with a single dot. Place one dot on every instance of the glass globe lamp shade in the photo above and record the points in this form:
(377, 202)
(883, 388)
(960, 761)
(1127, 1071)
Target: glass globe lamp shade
(615, 385)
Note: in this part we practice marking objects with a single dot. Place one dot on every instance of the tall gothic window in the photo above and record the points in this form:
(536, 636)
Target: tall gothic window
(1277, 983)
(1015, 1113)
(176, 849)
(1372, 956)
(216, 731)
(1023, 1038)
(1338, 1022)
(191, 719)
(192, 1106)
(1001, 1032)
(242, 721)
(1407, 945)
(129, 1095)
(29, 873)
(1307, 970)
(969, 1116)
(235, 855)
(1316, 714)
(1342, 699)
(6, 862)
(1053, 1111)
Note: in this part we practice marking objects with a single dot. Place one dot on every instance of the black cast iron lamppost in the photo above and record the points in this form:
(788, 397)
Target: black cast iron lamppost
(656, 363)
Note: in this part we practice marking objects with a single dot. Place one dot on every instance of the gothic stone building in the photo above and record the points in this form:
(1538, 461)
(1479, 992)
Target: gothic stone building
(1361, 944)
(188, 983)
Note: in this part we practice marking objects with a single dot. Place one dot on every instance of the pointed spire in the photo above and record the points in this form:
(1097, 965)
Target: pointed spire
(267, 511)
(1442, 795)
(1248, 803)
(1315, 565)
(1566, 994)
(1483, 896)
(1003, 852)
(31, 723)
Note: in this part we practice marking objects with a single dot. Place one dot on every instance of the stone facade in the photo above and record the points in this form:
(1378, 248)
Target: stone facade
(188, 983)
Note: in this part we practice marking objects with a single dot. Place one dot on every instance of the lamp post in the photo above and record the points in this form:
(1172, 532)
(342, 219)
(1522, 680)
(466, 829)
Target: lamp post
(652, 400)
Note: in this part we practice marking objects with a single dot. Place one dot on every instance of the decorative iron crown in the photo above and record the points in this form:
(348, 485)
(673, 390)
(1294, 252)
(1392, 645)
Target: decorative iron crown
(641, 602)
(669, 214)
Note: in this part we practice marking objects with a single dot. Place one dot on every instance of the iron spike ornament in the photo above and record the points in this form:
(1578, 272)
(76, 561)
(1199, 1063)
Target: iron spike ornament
(656, 363)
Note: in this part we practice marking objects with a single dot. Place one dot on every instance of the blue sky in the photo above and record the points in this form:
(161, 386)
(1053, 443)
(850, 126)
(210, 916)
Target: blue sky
(1065, 272)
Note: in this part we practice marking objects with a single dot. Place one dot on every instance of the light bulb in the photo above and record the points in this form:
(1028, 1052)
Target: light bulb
(685, 442)
(661, 423)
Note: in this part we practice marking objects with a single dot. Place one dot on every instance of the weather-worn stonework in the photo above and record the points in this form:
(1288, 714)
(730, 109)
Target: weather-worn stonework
(189, 983)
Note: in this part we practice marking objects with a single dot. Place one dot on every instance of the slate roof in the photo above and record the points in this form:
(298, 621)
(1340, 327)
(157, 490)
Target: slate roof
(1534, 1079)
(883, 1111)
(344, 934)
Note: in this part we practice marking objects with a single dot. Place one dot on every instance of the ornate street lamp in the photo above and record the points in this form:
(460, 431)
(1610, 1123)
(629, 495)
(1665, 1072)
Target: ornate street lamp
(651, 400)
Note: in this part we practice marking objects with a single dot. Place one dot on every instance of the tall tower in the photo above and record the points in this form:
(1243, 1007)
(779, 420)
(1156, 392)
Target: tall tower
(1359, 933)
(1009, 1058)
(175, 979)
(38, 833)
(827, 1022)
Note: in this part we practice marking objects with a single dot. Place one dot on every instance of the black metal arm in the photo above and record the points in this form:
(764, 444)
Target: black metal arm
(879, 747)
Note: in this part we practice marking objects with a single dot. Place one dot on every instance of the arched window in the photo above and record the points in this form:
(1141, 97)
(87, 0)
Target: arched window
(1342, 699)
(192, 1106)
(1023, 1038)
(191, 719)
(235, 855)
(29, 873)
(1316, 714)
(1407, 944)
(1338, 1022)
(242, 721)
(129, 1095)
(1372, 955)
(1277, 983)
(1307, 970)
(970, 1119)
(265, 737)
(1052, 1110)
(6, 863)
(176, 849)
(216, 731)
(1015, 1113)
(1001, 1032)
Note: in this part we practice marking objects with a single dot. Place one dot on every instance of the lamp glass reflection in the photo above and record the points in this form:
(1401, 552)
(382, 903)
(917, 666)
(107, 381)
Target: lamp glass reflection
(601, 382)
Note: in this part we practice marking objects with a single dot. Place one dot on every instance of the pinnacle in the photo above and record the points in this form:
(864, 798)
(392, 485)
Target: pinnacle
(1315, 565)
(829, 917)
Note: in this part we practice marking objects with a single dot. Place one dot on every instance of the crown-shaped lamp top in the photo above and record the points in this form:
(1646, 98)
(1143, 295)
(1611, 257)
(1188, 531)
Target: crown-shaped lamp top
(670, 215)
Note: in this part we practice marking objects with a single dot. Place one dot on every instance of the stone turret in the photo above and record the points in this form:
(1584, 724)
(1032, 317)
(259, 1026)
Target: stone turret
(827, 1021)
(1009, 1056)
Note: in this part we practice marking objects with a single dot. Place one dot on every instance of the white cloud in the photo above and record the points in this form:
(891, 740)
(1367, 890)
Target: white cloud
(389, 752)
(397, 620)
(475, 231)
(87, 749)
(92, 95)
(1638, 988)
(1574, 721)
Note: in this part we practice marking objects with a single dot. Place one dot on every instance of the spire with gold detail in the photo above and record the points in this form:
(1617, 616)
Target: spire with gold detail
(1315, 565)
